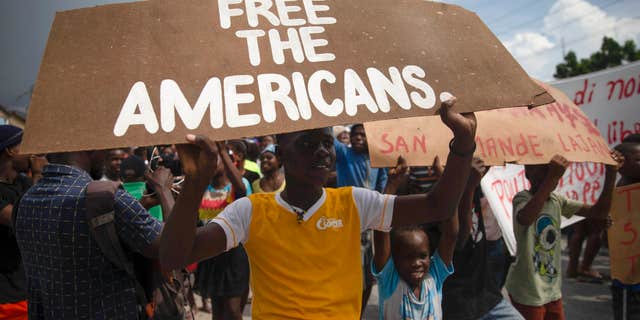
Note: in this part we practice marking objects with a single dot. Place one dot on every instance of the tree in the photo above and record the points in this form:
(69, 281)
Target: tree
(611, 54)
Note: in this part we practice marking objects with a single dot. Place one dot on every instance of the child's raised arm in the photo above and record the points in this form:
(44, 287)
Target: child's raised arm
(465, 208)
(230, 170)
(382, 240)
(441, 203)
(181, 241)
(530, 212)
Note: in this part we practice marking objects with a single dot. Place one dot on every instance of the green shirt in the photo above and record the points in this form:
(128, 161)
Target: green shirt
(137, 189)
(252, 166)
(535, 277)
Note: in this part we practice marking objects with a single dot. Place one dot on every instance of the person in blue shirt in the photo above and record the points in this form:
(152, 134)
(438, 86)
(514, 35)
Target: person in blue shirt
(410, 278)
(353, 165)
(353, 168)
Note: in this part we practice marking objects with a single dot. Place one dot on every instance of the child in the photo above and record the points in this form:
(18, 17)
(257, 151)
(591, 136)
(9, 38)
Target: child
(304, 242)
(409, 278)
(534, 279)
(626, 296)
(473, 292)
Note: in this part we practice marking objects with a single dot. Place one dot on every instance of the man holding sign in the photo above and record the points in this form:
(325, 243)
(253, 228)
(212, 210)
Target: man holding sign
(534, 280)
(624, 246)
(304, 243)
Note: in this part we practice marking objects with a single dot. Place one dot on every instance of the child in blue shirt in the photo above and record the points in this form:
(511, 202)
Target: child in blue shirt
(409, 278)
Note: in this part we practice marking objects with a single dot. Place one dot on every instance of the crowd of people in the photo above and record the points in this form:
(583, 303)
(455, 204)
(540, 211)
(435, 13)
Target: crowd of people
(299, 224)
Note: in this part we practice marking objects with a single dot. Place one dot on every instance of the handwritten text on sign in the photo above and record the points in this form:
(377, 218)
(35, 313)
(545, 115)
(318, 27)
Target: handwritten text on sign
(610, 98)
(624, 244)
(518, 135)
(581, 182)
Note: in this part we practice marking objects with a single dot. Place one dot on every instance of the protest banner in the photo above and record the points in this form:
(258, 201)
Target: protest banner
(513, 135)
(147, 73)
(610, 98)
(581, 182)
(624, 245)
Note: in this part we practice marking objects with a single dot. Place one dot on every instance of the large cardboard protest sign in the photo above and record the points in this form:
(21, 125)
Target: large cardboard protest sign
(581, 182)
(513, 135)
(624, 244)
(610, 98)
(150, 72)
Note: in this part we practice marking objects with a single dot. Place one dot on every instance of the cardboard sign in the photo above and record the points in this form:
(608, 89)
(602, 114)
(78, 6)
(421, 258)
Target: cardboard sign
(624, 244)
(514, 135)
(150, 72)
(581, 182)
(610, 98)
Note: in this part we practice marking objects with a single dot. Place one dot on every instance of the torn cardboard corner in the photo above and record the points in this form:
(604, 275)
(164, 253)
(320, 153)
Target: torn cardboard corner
(148, 73)
(512, 135)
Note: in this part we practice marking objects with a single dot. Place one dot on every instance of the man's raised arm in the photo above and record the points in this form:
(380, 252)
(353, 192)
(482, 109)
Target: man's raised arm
(441, 203)
(182, 242)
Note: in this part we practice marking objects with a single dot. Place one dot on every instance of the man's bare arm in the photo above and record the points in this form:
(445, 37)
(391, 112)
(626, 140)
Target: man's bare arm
(181, 240)
(465, 208)
(441, 203)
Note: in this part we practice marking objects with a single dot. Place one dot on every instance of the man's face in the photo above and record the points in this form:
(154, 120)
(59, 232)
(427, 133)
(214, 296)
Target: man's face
(411, 256)
(114, 160)
(308, 156)
(631, 166)
(359, 140)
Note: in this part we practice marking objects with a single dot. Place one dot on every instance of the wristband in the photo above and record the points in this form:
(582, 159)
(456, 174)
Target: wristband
(461, 154)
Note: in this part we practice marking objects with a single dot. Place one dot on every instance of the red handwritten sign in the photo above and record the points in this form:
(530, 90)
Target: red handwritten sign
(624, 241)
(610, 98)
(513, 135)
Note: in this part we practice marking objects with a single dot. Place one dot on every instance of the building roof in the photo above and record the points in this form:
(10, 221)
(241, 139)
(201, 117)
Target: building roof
(19, 112)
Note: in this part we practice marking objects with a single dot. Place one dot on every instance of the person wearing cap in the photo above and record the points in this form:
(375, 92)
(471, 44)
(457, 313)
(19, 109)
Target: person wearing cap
(13, 183)
(270, 165)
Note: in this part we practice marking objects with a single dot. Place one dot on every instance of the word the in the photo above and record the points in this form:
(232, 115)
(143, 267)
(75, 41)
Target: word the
(301, 41)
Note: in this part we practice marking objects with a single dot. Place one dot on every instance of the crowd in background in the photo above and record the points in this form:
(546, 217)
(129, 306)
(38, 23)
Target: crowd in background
(455, 267)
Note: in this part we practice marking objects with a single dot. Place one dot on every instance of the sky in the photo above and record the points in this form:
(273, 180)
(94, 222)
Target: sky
(534, 31)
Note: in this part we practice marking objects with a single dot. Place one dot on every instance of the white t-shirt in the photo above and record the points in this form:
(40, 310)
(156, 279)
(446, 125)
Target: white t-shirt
(375, 209)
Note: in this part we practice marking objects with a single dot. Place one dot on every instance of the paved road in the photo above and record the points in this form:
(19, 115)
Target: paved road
(582, 301)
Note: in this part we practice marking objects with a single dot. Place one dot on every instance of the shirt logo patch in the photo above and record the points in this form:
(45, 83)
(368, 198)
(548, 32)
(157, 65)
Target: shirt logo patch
(325, 223)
